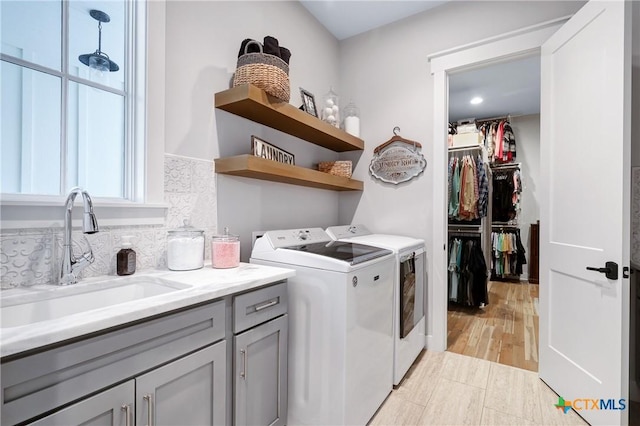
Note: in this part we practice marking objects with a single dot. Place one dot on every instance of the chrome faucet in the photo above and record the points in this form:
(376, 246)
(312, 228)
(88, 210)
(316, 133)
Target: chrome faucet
(71, 266)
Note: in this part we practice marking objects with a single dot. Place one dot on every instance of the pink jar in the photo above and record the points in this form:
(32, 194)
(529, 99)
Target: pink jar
(225, 250)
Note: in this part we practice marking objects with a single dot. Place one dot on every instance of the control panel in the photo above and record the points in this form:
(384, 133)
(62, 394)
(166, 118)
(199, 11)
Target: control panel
(296, 237)
(347, 231)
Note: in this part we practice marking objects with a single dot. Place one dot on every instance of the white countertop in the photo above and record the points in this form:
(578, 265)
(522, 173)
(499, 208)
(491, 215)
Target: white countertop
(205, 284)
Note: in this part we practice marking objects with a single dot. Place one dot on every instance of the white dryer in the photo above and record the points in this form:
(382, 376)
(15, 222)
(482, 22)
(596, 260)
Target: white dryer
(409, 290)
(340, 325)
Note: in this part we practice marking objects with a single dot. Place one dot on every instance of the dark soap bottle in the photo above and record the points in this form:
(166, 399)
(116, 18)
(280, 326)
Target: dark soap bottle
(126, 258)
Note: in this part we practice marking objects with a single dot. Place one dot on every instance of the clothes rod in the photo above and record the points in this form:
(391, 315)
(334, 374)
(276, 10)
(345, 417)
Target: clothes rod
(504, 117)
(505, 227)
(466, 234)
(463, 225)
(466, 148)
(506, 166)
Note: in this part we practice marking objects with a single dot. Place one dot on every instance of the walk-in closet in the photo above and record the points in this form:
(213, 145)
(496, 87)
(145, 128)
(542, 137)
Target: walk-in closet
(492, 229)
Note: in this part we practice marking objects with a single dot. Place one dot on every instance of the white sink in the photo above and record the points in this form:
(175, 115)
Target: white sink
(57, 302)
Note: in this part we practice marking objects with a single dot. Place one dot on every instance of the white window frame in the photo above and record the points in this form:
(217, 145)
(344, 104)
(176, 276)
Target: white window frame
(145, 204)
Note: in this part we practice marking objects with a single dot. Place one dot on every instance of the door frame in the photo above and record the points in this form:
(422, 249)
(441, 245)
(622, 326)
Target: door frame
(505, 47)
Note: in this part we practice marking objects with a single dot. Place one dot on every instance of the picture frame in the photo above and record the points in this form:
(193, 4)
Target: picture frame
(308, 102)
(264, 149)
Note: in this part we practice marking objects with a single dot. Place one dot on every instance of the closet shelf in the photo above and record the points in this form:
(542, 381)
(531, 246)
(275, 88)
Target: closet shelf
(254, 104)
(465, 148)
(254, 167)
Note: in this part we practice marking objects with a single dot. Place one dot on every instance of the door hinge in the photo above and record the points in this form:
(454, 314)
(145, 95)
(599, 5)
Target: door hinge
(626, 272)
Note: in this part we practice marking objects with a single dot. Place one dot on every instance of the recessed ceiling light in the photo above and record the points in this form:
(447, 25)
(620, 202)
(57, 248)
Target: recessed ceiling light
(475, 101)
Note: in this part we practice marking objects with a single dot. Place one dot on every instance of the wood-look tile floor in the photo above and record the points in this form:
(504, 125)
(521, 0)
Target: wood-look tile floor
(505, 331)
(445, 388)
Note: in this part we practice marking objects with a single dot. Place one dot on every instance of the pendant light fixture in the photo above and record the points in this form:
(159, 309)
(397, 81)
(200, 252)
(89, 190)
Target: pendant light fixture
(98, 60)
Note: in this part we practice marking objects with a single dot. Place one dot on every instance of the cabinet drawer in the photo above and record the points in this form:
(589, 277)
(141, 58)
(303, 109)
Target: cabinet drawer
(258, 306)
(41, 382)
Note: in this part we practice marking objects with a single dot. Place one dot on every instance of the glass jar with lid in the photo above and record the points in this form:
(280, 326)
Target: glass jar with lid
(185, 248)
(225, 250)
(330, 109)
(351, 115)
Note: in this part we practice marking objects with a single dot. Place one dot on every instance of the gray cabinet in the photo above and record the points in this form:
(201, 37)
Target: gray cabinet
(196, 366)
(37, 383)
(188, 392)
(112, 407)
(260, 357)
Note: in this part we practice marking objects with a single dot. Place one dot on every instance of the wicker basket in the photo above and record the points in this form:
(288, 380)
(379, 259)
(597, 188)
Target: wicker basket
(336, 168)
(267, 72)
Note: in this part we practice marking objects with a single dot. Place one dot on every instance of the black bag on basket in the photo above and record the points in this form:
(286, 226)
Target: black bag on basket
(267, 72)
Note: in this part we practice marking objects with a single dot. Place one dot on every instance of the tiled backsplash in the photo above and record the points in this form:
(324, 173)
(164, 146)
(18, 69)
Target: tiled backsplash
(33, 256)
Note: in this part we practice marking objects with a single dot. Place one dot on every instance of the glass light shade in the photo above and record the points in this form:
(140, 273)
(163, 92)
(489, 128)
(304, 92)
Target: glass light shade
(99, 64)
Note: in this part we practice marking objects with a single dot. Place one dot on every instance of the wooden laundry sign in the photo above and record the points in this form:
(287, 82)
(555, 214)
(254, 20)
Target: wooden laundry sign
(397, 160)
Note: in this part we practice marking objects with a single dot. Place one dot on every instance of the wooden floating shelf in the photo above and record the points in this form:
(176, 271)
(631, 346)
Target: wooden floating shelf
(254, 104)
(259, 168)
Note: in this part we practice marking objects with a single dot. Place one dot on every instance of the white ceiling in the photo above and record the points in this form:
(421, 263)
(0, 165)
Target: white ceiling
(507, 88)
(346, 18)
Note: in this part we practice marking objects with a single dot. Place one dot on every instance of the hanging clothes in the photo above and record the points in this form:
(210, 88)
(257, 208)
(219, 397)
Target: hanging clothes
(454, 268)
(454, 187)
(468, 191)
(499, 140)
(467, 278)
(507, 254)
(468, 188)
(509, 144)
(507, 187)
(483, 187)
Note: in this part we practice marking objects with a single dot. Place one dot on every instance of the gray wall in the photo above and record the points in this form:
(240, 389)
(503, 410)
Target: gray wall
(203, 39)
(527, 131)
(635, 109)
(634, 389)
(635, 137)
(386, 72)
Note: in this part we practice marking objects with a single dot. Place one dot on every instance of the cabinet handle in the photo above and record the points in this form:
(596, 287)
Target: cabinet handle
(148, 398)
(127, 414)
(243, 373)
(266, 305)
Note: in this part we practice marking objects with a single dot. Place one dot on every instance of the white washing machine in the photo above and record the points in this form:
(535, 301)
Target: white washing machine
(340, 325)
(409, 290)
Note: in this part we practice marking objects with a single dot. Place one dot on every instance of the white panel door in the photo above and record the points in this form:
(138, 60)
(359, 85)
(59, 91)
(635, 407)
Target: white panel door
(585, 146)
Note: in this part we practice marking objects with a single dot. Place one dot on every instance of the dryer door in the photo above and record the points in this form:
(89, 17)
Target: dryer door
(411, 290)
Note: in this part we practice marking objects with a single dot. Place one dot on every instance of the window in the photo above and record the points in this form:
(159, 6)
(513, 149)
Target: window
(65, 124)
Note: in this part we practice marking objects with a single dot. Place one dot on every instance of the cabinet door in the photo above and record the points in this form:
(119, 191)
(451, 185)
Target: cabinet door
(260, 382)
(113, 407)
(188, 392)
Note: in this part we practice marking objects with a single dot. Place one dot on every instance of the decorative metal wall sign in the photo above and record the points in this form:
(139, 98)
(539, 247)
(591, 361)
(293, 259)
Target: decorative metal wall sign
(398, 160)
(263, 149)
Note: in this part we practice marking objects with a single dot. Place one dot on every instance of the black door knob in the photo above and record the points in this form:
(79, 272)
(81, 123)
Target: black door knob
(610, 270)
